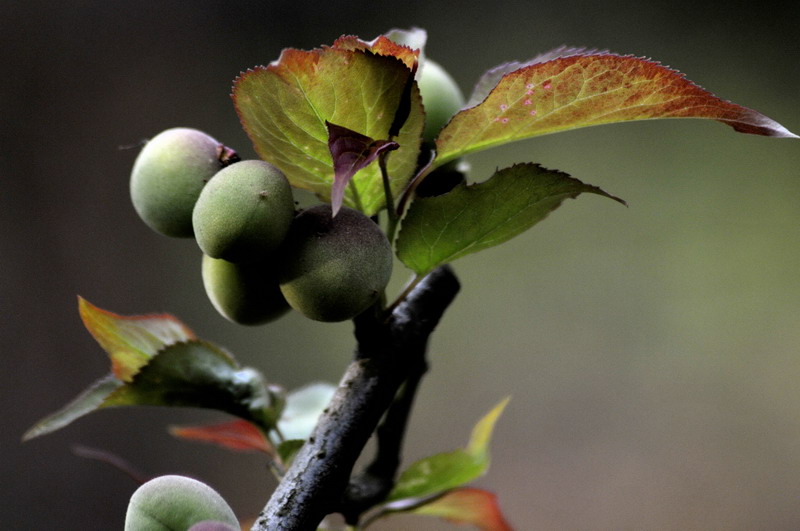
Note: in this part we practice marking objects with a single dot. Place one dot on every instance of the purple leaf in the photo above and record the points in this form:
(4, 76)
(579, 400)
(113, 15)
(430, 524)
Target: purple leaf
(351, 151)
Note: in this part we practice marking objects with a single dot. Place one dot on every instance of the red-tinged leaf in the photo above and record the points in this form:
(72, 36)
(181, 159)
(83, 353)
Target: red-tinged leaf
(467, 506)
(131, 341)
(382, 45)
(238, 435)
(351, 152)
(585, 90)
(284, 107)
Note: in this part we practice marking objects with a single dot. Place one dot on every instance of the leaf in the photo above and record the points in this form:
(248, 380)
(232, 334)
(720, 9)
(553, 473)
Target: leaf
(287, 450)
(446, 471)
(239, 435)
(385, 45)
(584, 90)
(131, 341)
(492, 77)
(351, 152)
(303, 408)
(470, 218)
(414, 38)
(91, 399)
(466, 506)
(198, 374)
(284, 107)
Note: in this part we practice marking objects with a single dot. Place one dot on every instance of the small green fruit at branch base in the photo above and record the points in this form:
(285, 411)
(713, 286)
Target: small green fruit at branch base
(244, 212)
(171, 503)
(212, 525)
(168, 175)
(244, 293)
(441, 98)
(334, 268)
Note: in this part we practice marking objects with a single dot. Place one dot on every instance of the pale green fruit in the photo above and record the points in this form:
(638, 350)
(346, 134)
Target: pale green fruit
(213, 525)
(175, 503)
(244, 293)
(244, 212)
(168, 175)
(441, 98)
(334, 269)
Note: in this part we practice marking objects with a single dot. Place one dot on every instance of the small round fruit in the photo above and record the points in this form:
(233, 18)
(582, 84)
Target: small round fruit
(244, 212)
(334, 268)
(169, 174)
(441, 98)
(245, 293)
(212, 525)
(167, 503)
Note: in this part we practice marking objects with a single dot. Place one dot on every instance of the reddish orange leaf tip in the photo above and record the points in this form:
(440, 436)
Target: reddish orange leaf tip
(239, 435)
(468, 506)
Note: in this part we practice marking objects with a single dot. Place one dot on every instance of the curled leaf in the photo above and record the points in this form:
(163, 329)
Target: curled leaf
(351, 152)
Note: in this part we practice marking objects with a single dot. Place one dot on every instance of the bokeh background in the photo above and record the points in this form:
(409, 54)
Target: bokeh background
(652, 352)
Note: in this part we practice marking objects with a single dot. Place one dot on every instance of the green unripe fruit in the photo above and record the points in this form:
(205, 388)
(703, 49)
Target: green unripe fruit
(168, 175)
(244, 293)
(441, 98)
(212, 525)
(244, 212)
(334, 268)
(171, 503)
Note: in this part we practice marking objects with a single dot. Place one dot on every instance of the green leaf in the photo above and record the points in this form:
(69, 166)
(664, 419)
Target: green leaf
(446, 471)
(91, 399)
(548, 96)
(198, 374)
(284, 106)
(464, 506)
(470, 218)
(303, 408)
(131, 341)
(288, 449)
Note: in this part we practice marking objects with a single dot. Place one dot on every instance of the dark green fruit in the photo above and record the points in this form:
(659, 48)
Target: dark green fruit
(170, 503)
(334, 268)
(168, 175)
(244, 212)
(244, 293)
(441, 98)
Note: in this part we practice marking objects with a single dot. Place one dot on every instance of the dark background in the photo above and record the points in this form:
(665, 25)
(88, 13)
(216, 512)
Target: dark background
(652, 352)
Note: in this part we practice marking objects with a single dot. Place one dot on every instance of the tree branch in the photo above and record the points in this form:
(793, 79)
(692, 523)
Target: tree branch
(385, 358)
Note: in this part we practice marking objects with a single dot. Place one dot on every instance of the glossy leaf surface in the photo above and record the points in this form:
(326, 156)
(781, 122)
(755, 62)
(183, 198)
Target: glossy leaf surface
(188, 373)
(198, 374)
(470, 218)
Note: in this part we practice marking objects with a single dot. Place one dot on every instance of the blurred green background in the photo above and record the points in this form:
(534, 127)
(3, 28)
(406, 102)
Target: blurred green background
(652, 353)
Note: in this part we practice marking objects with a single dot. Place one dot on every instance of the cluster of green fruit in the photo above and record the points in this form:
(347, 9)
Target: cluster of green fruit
(260, 257)
(169, 503)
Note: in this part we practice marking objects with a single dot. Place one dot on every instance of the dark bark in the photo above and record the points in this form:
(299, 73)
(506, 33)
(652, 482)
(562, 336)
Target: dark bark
(389, 353)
